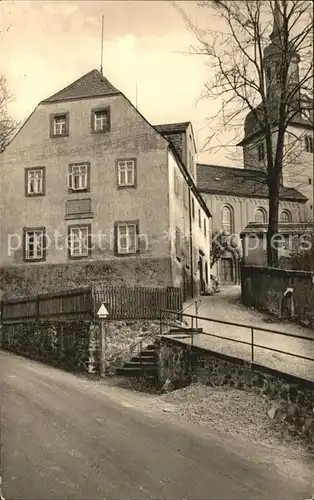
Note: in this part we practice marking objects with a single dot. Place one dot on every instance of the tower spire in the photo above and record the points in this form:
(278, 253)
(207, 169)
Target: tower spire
(277, 21)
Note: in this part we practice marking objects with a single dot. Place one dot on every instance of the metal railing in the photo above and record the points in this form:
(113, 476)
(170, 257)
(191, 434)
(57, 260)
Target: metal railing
(195, 319)
(154, 333)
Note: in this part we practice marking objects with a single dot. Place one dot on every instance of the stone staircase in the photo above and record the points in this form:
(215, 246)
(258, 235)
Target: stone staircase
(145, 362)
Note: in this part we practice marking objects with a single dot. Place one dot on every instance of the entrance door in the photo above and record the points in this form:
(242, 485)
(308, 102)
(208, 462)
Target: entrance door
(227, 270)
(201, 274)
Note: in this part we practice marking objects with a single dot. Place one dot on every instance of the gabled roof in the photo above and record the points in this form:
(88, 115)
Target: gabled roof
(93, 84)
(172, 128)
(173, 133)
(216, 179)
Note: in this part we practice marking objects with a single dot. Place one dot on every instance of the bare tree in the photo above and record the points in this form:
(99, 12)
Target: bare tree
(8, 126)
(219, 244)
(273, 81)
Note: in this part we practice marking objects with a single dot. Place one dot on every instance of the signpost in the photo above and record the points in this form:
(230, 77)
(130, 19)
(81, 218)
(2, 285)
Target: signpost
(102, 313)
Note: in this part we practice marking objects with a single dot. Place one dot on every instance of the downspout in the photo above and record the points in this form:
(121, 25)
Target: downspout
(191, 243)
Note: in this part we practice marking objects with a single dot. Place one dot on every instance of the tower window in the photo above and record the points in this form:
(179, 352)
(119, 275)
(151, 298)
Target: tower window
(308, 143)
(285, 216)
(260, 215)
(261, 151)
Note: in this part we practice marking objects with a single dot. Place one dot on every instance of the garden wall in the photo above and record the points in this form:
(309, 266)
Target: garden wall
(266, 289)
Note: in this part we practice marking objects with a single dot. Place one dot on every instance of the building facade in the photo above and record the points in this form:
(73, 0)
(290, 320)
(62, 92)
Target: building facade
(91, 191)
(235, 198)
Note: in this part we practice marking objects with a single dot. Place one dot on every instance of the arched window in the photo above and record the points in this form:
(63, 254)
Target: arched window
(227, 222)
(260, 215)
(285, 216)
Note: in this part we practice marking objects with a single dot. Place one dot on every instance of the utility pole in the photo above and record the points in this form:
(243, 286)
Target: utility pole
(102, 45)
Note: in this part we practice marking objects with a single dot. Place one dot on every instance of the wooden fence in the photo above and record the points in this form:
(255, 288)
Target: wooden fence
(121, 302)
(137, 302)
(76, 304)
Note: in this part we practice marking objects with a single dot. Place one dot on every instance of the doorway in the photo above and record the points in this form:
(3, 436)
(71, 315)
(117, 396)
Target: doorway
(227, 270)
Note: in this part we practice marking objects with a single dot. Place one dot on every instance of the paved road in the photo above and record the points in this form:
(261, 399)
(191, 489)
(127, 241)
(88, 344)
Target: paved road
(226, 306)
(64, 437)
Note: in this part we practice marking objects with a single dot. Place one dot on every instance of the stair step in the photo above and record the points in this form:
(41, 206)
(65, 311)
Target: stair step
(151, 347)
(187, 330)
(144, 358)
(137, 364)
(136, 372)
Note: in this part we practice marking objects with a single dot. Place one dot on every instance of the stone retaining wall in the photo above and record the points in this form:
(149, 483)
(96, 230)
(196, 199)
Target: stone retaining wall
(293, 398)
(24, 280)
(75, 345)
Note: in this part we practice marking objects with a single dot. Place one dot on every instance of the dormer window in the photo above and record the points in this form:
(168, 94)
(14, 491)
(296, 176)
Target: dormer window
(59, 125)
(101, 120)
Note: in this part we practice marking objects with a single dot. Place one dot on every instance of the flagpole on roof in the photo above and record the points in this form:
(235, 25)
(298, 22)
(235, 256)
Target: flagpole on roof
(136, 95)
(102, 45)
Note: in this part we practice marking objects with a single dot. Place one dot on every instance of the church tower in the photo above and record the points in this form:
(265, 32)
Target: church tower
(298, 152)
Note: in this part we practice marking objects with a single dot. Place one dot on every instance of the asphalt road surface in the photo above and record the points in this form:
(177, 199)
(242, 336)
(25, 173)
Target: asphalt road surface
(65, 437)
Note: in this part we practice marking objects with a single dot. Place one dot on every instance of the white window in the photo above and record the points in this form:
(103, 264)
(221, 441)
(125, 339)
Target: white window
(126, 173)
(34, 244)
(285, 216)
(227, 219)
(260, 215)
(35, 181)
(261, 151)
(78, 177)
(79, 241)
(126, 238)
(59, 125)
(308, 144)
(101, 120)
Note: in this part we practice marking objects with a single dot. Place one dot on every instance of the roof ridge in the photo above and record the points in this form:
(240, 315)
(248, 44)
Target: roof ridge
(230, 168)
(172, 123)
(73, 85)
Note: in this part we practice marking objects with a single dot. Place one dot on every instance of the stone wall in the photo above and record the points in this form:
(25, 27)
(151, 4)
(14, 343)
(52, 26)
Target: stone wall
(180, 365)
(24, 280)
(266, 289)
(75, 345)
(64, 344)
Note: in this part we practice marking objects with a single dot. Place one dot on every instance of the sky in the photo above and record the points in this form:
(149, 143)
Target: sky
(45, 45)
